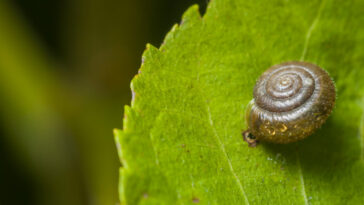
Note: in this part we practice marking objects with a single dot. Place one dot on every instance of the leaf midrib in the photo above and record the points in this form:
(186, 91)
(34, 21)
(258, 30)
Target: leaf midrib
(305, 47)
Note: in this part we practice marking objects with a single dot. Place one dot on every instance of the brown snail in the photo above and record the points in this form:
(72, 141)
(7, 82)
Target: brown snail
(291, 100)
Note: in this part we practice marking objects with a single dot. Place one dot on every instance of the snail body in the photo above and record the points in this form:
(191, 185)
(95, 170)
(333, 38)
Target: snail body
(291, 100)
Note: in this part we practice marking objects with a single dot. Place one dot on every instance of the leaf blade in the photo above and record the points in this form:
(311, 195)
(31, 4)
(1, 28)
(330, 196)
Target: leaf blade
(191, 94)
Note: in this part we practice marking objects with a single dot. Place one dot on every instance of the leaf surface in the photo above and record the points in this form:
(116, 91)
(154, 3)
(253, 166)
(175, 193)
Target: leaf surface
(181, 142)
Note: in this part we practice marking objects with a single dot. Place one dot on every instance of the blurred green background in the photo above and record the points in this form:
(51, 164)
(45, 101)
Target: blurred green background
(65, 69)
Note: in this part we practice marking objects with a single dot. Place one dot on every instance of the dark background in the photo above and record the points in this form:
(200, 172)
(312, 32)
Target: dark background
(65, 70)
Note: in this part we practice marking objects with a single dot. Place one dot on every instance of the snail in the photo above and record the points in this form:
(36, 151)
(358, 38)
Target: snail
(291, 101)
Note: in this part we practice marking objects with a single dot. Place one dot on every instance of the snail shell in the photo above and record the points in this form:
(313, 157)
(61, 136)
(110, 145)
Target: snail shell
(291, 100)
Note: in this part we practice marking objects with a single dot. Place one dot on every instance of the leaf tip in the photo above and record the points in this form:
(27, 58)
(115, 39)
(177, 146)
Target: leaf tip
(150, 47)
(117, 136)
(149, 52)
(127, 113)
(116, 131)
(170, 35)
(191, 14)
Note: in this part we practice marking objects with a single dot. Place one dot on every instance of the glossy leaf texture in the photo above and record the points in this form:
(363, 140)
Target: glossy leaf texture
(181, 142)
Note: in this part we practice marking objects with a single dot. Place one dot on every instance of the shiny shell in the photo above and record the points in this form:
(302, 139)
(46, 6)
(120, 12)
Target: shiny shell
(291, 100)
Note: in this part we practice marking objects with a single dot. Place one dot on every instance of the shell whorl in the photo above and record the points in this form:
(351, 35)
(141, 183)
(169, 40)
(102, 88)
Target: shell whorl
(284, 88)
(291, 100)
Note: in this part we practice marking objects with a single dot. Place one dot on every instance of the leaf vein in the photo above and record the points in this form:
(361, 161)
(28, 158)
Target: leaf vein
(310, 30)
(305, 47)
(222, 147)
(303, 189)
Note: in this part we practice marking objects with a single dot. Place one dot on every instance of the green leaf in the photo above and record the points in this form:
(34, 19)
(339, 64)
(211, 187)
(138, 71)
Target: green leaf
(181, 142)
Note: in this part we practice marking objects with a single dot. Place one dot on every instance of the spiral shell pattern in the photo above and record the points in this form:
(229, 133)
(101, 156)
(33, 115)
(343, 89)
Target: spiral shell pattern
(291, 100)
